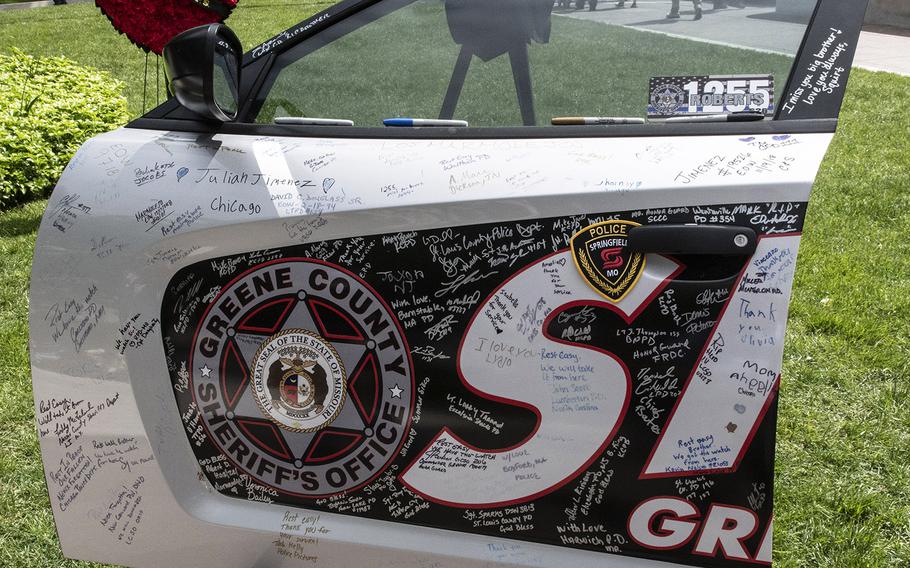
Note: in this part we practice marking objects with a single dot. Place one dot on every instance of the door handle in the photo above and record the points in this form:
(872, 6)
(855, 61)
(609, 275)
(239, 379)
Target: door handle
(693, 239)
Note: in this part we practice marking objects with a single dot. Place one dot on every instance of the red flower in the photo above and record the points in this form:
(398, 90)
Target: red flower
(151, 24)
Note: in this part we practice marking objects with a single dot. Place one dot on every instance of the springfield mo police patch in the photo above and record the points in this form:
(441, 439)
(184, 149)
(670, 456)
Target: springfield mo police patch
(710, 94)
(303, 377)
(600, 254)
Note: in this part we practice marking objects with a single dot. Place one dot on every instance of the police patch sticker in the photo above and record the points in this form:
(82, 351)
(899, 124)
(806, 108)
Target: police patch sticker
(603, 260)
(666, 99)
(303, 377)
(710, 94)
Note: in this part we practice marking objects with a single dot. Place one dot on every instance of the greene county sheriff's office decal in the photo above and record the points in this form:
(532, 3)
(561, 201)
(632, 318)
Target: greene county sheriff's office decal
(714, 94)
(295, 383)
(303, 377)
(600, 254)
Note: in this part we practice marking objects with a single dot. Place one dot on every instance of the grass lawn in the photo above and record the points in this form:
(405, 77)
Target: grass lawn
(82, 33)
(843, 485)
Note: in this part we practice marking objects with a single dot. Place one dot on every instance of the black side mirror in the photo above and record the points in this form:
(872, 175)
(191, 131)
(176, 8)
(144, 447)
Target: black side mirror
(203, 70)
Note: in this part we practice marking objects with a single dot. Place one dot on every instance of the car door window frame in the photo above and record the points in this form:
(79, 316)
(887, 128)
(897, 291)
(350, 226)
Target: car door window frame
(263, 63)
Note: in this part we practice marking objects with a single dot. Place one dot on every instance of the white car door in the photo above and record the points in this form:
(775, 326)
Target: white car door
(497, 345)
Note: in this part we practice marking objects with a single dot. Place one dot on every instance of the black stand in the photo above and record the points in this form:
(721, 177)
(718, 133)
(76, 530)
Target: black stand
(521, 73)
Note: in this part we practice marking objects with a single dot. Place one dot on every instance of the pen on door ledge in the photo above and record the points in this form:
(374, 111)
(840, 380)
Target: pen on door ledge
(424, 122)
(731, 117)
(307, 121)
(593, 120)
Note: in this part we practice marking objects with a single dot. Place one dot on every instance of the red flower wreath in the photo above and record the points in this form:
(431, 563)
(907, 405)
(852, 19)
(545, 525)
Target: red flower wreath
(152, 23)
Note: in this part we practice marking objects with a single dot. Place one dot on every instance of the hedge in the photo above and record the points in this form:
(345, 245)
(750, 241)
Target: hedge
(49, 106)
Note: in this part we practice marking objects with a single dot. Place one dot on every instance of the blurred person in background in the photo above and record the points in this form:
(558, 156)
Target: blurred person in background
(674, 10)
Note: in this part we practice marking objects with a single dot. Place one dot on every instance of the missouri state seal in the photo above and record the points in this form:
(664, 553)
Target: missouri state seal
(299, 380)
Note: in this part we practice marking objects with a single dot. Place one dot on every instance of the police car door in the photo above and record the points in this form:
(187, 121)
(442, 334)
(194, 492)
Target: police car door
(506, 343)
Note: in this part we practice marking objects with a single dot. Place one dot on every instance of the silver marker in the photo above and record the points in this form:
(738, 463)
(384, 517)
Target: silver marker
(306, 121)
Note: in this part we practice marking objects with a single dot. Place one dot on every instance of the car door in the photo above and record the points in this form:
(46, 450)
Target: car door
(495, 345)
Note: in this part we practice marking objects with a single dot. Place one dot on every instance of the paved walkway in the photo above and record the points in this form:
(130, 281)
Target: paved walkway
(884, 49)
(755, 27)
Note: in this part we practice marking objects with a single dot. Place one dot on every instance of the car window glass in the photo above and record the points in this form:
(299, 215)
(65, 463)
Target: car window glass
(224, 79)
(523, 62)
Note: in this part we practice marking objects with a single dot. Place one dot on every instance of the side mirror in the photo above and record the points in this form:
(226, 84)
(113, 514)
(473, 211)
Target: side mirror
(203, 70)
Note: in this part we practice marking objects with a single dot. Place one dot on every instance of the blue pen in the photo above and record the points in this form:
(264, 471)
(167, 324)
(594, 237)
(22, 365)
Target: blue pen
(424, 122)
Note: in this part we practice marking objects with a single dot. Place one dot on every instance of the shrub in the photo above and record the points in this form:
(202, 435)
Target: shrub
(49, 106)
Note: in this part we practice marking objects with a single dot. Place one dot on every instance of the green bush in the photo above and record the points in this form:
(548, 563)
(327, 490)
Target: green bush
(49, 106)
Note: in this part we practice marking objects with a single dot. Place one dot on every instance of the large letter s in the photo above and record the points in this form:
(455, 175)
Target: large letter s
(572, 430)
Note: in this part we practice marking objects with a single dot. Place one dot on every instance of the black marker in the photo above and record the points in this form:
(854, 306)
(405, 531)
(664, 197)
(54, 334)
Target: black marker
(748, 116)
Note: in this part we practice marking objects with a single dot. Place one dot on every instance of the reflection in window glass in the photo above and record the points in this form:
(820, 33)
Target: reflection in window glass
(401, 59)
(224, 80)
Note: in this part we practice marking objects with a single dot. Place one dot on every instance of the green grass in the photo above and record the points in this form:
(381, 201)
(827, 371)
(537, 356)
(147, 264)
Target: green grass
(82, 33)
(843, 469)
(843, 484)
(27, 536)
